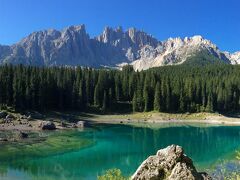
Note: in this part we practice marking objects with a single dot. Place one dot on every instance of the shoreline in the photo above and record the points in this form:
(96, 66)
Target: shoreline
(136, 119)
(166, 118)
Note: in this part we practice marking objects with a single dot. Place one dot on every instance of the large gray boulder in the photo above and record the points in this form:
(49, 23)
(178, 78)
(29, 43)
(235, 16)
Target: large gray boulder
(171, 164)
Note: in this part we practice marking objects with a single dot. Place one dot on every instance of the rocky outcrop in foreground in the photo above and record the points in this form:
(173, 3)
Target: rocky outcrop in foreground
(170, 163)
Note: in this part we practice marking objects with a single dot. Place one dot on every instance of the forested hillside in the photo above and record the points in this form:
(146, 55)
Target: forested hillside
(183, 88)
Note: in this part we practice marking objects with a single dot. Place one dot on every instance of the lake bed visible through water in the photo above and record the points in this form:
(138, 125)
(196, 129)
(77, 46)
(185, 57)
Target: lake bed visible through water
(85, 154)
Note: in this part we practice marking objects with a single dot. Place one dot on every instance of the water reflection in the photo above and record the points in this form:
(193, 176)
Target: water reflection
(125, 147)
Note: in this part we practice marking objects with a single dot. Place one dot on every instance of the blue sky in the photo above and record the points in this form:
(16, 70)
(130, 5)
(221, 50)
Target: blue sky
(217, 20)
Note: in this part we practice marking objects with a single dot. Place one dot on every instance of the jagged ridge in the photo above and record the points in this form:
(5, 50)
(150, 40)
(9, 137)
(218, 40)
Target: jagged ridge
(113, 48)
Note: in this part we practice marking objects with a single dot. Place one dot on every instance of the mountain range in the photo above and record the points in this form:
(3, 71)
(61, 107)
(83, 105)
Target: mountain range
(115, 48)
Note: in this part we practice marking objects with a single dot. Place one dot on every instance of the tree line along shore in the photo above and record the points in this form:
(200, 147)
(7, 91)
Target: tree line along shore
(172, 89)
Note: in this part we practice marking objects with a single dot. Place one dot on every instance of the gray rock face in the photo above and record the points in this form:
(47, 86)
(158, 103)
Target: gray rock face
(4, 52)
(169, 163)
(129, 43)
(113, 48)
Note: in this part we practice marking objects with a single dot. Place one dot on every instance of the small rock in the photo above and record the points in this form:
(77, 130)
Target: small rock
(29, 117)
(8, 120)
(48, 125)
(3, 114)
(63, 124)
(3, 139)
(23, 117)
(74, 125)
(22, 135)
(80, 124)
(10, 116)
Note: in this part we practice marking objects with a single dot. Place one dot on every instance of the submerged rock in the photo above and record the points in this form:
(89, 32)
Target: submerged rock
(22, 135)
(48, 125)
(170, 163)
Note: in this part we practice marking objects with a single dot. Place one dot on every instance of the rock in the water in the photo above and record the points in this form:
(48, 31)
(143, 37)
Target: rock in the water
(22, 135)
(80, 124)
(48, 125)
(170, 163)
(3, 139)
(74, 125)
(3, 114)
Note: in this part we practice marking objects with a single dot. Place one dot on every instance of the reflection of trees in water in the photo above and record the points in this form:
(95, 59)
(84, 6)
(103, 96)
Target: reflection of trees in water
(202, 144)
(3, 170)
(125, 147)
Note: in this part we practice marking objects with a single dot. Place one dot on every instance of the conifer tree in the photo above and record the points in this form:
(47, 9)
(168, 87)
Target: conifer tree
(157, 98)
(97, 96)
(104, 104)
(134, 103)
(209, 107)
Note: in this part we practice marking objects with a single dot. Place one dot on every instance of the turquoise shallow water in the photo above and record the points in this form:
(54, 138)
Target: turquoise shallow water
(123, 147)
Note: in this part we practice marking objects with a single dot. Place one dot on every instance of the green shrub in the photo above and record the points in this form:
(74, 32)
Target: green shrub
(112, 174)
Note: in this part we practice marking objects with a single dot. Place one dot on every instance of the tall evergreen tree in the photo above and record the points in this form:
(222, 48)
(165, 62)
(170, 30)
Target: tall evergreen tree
(104, 104)
(157, 98)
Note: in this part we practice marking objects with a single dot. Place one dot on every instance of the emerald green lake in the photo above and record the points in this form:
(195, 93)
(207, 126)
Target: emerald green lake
(113, 146)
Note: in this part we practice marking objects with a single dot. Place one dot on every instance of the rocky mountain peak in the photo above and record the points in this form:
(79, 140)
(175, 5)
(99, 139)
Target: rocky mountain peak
(110, 35)
(131, 37)
(78, 28)
(141, 38)
(132, 32)
(198, 38)
(72, 31)
(191, 41)
(113, 47)
(234, 57)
